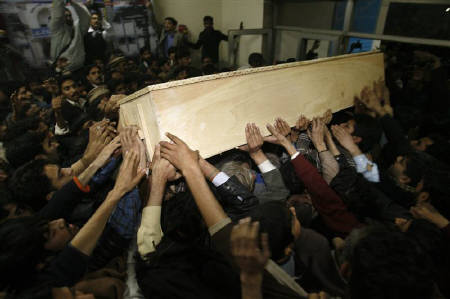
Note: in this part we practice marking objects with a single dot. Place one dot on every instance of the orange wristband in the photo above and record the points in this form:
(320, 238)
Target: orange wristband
(85, 189)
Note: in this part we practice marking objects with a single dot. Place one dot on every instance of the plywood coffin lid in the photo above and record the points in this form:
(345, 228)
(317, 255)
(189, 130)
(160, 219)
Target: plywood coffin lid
(210, 113)
(171, 84)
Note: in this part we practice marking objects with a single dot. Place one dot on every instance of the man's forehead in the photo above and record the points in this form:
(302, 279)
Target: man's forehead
(68, 83)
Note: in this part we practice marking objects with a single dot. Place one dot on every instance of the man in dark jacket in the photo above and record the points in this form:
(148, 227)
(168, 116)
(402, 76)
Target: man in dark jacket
(209, 40)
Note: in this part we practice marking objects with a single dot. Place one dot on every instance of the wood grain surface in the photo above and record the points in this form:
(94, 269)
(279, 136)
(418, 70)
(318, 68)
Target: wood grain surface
(210, 113)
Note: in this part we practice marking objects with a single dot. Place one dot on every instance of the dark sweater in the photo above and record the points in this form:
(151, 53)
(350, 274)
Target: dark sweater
(209, 40)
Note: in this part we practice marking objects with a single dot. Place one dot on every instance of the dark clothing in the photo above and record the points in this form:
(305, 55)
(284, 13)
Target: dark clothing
(62, 203)
(236, 200)
(362, 197)
(274, 187)
(66, 269)
(328, 204)
(271, 288)
(209, 40)
(315, 264)
(94, 46)
(70, 112)
(183, 270)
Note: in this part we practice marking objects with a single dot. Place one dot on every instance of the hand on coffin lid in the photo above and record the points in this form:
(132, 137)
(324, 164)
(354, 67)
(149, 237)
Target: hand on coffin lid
(278, 138)
(254, 139)
(129, 174)
(130, 140)
(346, 140)
(162, 170)
(317, 133)
(179, 154)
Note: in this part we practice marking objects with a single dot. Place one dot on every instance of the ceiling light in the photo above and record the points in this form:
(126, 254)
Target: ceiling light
(448, 9)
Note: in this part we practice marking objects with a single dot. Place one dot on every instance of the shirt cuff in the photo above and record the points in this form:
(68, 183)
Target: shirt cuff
(149, 234)
(60, 131)
(220, 179)
(295, 155)
(266, 166)
(368, 169)
(361, 163)
(218, 226)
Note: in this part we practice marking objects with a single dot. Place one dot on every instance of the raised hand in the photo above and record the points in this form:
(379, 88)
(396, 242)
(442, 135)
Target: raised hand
(278, 138)
(107, 152)
(128, 137)
(317, 133)
(330, 142)
(130, 140)
(179, 154)
(128, 176)
(426, 211)
(302, 123)
(321, 295)
(162, 170)
(57, 103)
(254, 138)
(282, 126)
(346, 140)
(244, 247)
(327, 117)
(100, 134)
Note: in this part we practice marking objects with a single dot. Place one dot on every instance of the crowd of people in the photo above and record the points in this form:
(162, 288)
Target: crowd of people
(353, 204)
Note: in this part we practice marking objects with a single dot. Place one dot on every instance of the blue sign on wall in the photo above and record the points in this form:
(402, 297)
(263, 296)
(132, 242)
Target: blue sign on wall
(40, 32)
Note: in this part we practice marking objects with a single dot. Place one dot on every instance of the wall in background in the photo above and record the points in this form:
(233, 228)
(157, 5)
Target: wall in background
(27, 24)
(227, 14)
(311, 14)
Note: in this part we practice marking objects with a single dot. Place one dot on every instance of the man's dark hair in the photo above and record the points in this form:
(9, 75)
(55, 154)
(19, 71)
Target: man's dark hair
(23, 149)
(172, 50)
(275, 219)
(209, 69)
(256, 60)
(439, 149)
(386, 263)
(208, 19)
(182, 53)
(113, 83)
(22, 249)
(145, 49)
(429, 237)
(21, 127)
(172, 20)
(23, 109)
(65, 78)
(181, 220)
(88, 69)
(30, 185)
(416, 165)
(369, 129)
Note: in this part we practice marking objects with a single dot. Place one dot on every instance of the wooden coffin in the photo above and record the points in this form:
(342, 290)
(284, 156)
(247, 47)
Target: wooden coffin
(210, 112)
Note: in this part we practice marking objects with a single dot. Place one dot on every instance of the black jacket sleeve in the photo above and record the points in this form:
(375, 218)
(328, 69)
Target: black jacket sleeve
(235, 199)
(62, 203)
(67, 268)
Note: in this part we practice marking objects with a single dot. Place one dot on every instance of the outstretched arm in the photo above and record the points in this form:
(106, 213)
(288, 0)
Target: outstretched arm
(83, 15)
(86, 239)
(150, 233)
(332, 209)
(187, 161)
(57, 15)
